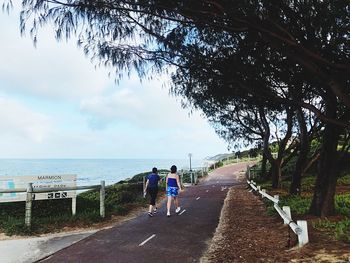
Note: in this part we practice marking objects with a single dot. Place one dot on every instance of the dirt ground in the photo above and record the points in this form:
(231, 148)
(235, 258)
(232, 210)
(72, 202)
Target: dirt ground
(247, 234)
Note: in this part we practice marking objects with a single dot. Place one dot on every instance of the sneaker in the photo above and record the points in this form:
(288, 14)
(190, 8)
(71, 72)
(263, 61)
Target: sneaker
(178, 210)
(155, 211)
(150, 214)
(168, 214)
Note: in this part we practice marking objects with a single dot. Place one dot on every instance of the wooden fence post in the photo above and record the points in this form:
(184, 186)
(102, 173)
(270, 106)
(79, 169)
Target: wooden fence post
(143, 184)
(102, 199)
(74, 205)
(303, 238)
(286, 209)
(29, 200)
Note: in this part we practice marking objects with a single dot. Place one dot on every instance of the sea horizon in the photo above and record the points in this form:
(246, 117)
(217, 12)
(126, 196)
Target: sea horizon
(90, 170)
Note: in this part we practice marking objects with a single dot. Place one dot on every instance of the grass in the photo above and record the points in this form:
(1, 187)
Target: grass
(340, 228)
(342, 204)
(344, 180)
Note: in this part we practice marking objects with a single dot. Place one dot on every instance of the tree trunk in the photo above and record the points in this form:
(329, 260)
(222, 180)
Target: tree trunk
(277, 163)
(266, 139)
(295, 187)
(263, 166)
(276, 167)
(323, 198)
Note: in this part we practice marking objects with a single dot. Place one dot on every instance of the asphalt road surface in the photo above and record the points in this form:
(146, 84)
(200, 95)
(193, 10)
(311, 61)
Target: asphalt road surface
(179, 238)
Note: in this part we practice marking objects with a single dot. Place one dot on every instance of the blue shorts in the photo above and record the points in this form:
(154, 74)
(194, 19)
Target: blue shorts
(172, 191)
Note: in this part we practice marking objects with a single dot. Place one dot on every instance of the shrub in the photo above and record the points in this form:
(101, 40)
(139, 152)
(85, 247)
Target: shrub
(342, 204)
(298, 204)
(344, 180)
(340, 228)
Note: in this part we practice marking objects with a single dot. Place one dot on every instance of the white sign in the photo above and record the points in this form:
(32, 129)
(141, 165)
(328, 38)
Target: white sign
(39, 182)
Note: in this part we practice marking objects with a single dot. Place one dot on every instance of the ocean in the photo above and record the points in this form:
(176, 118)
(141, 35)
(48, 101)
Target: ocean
(90, 171)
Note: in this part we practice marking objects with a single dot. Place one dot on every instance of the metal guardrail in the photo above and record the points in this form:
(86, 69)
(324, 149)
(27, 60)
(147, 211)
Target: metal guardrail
(299, 228)
(30, 192)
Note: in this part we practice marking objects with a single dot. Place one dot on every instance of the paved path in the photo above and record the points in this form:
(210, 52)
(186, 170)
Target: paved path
(179, 238)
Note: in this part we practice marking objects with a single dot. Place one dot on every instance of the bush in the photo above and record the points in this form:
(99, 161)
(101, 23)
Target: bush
(340, 228)
(344, 180)
(298, 205)
(14, 226)
(308, 183)
(342, 204)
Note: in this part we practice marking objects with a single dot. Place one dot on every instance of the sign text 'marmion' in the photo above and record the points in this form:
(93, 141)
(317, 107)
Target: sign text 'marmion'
(49, 177)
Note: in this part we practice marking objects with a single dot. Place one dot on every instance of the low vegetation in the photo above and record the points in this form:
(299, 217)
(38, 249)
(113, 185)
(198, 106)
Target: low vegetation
(338, 225)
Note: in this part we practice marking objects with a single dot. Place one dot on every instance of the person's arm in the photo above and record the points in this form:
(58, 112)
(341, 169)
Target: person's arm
(166, 184)
(178, 182)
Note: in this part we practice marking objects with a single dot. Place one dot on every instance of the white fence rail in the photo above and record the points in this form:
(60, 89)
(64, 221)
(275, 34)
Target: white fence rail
(299, 228)
(32, 191)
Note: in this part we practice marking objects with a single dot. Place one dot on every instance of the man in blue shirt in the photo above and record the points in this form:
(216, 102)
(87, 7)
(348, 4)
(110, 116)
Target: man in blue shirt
(152, 188)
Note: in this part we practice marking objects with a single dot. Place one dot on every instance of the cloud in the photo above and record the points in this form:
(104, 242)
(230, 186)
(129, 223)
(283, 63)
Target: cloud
(17, 120)
(144, 104)
(52, 70)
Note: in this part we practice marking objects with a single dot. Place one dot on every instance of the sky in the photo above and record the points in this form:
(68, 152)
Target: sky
(54, 103)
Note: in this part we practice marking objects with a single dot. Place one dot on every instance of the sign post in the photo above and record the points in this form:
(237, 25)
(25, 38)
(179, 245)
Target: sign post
(29, 199)
(102, 199)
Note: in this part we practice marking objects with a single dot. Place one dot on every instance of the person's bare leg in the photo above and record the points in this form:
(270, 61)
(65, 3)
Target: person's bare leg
(176, 202)
(177, 206)
(150, 208)
(168, 205)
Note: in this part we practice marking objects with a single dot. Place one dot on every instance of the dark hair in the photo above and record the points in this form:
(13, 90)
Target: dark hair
(173, 169)
(154, 170)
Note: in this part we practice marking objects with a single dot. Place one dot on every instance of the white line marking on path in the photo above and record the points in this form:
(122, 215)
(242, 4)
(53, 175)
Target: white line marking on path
(197, 198)
(148, 239)
(183, 211)
(207, 191)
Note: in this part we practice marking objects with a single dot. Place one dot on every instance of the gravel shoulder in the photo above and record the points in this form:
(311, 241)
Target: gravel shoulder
(247, 234)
